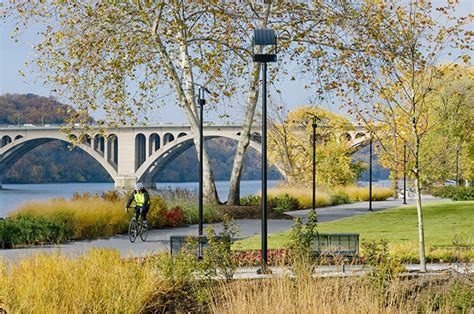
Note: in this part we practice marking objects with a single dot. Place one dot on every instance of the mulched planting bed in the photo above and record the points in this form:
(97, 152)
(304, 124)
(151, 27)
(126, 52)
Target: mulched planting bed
(250, 212)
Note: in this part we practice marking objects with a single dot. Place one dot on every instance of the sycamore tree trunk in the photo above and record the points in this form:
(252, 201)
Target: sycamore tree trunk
(187, 101)
(190, 109)
(244, 140)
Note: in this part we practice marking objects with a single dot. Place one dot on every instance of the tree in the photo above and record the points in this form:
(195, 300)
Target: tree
(394, 63)
(119, 57)
(446, 148)
(290, 147)
(305, 45)
(444, 152)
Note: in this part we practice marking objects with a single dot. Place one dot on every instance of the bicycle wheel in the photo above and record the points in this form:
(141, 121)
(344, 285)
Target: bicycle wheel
(132, 230)
(143, 232)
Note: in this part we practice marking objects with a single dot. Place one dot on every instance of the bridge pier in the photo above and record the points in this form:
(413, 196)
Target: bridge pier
(125, 182)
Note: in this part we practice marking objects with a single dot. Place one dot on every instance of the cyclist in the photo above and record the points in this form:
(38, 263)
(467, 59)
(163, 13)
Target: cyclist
(142, 202)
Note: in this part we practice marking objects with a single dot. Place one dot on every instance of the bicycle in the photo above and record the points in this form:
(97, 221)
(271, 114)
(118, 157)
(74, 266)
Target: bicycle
(137, 227)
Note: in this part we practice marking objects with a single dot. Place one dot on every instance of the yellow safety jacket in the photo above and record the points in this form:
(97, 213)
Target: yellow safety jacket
(139, 198)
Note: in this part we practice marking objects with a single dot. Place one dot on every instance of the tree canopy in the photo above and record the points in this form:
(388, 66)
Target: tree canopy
(290, 147)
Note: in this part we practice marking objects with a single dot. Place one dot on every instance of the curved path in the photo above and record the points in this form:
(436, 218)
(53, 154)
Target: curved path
(158, 240)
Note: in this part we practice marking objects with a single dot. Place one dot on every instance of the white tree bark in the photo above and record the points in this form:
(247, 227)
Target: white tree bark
(186, 98)
(419, 208)
(244, 141)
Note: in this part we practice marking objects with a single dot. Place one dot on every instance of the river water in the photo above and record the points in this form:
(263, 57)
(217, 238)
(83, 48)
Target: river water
(13, 195)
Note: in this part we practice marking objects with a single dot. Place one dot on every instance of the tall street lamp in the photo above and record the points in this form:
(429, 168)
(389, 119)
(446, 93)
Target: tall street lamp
(262, 38)
(405, 173)
(201, 102)
(314, 124)
(370, 173)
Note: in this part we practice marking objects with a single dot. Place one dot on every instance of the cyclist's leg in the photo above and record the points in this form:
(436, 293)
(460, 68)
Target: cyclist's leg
(144, 212)
(137, 212)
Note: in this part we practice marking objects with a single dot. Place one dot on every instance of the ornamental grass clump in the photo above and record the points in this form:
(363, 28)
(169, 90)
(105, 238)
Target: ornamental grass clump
(302, 194)
(87, 218)
(300, 197)
(351, 294)
(361, 194)
(99, 282)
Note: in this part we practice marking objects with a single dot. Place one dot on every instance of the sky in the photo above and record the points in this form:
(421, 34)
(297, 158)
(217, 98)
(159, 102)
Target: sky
(14, 54)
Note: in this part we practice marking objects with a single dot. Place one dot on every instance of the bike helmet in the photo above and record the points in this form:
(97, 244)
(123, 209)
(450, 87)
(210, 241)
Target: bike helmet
(138, 186)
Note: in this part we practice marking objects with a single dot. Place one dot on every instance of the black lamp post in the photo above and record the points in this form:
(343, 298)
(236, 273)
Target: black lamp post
(201, 103)
(262, 38)
(314, 124)
(405, 173)
(370, 173)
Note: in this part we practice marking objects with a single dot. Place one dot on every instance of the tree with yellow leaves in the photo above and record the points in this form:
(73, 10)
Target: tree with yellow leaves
(290, 147)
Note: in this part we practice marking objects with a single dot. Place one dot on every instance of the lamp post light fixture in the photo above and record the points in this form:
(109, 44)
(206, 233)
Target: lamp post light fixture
(261, 39)
(201, 102)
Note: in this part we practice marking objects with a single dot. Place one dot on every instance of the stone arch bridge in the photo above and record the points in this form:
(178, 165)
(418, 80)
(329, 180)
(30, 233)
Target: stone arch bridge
(128, 154)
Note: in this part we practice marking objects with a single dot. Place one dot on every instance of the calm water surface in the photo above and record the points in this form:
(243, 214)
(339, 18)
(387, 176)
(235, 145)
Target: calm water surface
(13, 195)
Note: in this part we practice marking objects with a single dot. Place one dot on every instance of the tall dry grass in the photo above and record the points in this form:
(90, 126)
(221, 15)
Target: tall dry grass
(342, 295)
(330, 196)
(304, 195)
(87, 218)
(358, 193)
(99, 282)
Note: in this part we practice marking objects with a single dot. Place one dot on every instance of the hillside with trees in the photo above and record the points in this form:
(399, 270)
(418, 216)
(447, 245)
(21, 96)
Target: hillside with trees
(51, 162)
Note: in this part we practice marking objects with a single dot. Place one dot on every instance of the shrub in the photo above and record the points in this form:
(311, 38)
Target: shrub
(254, 257)
(174, 217)
(218, 256)
(456, 193)
(339, 198)
(156, 213)
(284, 203)
(84, 217)
(385, 267)
(190, 212)
(250, 200)
(32, 230)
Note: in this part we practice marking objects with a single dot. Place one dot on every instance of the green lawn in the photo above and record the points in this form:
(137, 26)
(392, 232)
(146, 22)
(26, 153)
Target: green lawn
(443, 222)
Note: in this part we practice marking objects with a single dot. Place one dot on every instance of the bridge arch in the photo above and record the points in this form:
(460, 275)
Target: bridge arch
(112, 150)
(154, 143)
(140, 150)
(99, 144)
(12, 152)
(6, 140)
(167, 138)
(150, 169)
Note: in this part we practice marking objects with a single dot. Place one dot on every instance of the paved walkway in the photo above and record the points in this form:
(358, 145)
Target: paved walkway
(361, 208)
(354, 270)
(158, 240)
